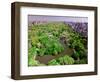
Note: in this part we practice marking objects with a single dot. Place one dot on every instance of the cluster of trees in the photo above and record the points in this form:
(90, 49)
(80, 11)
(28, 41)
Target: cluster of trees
(52, 39)
(81, 28)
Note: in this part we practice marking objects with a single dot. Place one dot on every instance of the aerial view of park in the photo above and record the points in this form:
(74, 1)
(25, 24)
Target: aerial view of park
(57, 40)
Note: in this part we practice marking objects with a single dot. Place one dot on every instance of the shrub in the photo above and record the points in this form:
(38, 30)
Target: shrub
(53, 62)
(65, 60)
(82, 61)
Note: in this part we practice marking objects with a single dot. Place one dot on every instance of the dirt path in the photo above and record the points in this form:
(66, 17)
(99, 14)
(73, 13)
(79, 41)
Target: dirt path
(44, 59)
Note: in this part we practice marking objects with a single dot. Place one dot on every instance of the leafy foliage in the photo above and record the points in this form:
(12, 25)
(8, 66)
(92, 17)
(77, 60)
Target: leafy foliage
(82, 61)
(52, 39)
(53, 62)
(76, 42)
(65, 60)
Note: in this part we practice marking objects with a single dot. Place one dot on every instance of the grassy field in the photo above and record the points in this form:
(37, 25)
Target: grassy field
(55, 44)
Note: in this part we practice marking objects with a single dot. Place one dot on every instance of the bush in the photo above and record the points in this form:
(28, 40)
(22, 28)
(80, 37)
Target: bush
(65, 60)
(82, 61)
(53, 62)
